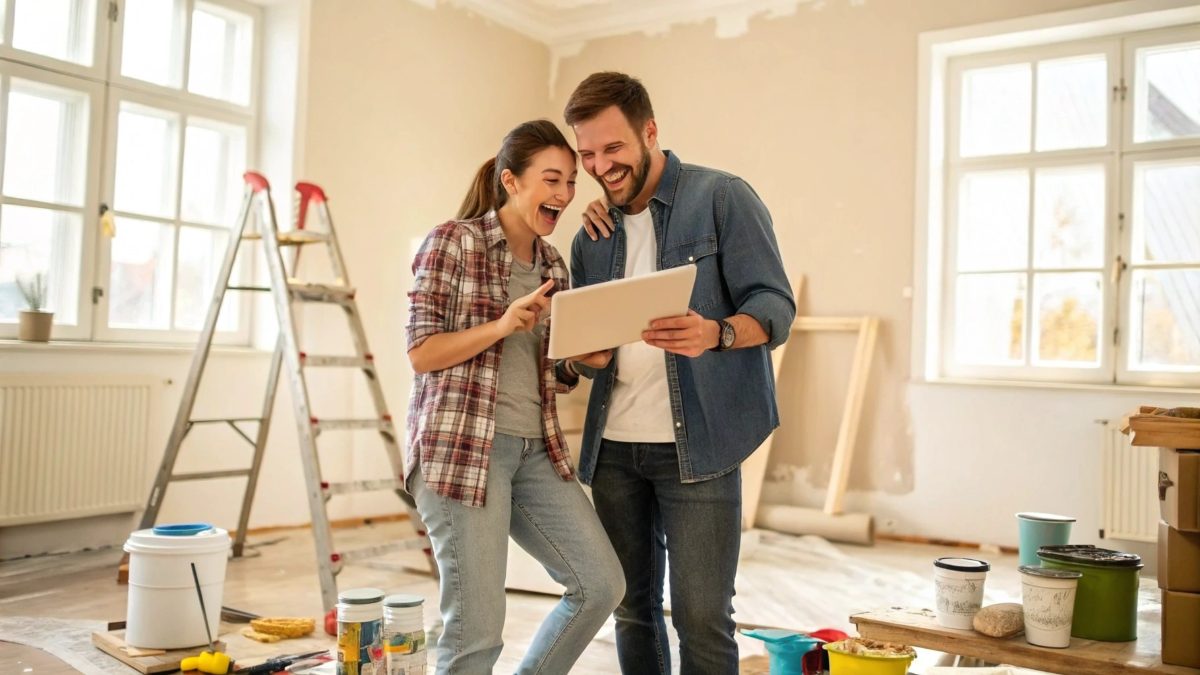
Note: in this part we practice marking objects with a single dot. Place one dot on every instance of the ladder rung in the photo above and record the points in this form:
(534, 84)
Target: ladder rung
(204, 475)
(314, 360)
(412, 543)
(350, 487)
(260, 289)
(293, 237)
(321, 292)
(384, 423)
(216, 420)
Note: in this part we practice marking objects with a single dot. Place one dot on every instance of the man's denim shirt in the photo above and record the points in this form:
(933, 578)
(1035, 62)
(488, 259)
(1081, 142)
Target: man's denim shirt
(722, 403)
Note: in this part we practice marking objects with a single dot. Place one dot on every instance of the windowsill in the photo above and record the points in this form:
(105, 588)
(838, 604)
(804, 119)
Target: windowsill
(1062, 386)
(86, 347)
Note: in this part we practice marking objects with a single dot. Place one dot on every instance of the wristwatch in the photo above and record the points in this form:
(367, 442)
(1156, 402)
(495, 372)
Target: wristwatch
(726, 337)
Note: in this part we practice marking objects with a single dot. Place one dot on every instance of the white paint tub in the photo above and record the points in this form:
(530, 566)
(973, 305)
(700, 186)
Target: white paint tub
(958, 584)
(1048, 601)
(163, 611)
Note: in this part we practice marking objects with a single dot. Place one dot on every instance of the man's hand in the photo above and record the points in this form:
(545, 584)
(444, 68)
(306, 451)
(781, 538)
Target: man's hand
(522, 314)
(690, 335)
(596, 220)
(597, 360)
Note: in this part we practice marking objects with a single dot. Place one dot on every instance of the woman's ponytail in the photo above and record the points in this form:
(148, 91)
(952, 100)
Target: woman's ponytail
(481, 197)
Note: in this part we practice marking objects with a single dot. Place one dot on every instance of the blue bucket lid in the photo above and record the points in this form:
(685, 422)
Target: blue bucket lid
(780, 636)
(182, 529)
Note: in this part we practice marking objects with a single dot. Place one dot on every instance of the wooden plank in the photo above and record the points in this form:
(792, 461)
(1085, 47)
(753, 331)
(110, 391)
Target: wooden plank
(827, 323)
(918, 627)
(113, 644)
(843, 453)
(754, 467)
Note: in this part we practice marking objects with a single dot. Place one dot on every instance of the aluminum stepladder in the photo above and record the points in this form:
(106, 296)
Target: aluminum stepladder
(285, 291)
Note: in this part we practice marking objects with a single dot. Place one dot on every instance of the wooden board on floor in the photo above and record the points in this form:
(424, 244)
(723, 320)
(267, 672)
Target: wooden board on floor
(113, 644)
(919, 628)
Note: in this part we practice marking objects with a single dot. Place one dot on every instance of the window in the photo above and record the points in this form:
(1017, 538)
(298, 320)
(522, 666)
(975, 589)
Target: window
(165, 86)
(1072, 212)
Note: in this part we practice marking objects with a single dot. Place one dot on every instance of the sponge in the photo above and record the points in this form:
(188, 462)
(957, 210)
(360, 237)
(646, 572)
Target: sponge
(214, 663)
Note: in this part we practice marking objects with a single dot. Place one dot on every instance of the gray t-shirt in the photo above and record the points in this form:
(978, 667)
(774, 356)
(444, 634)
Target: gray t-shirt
(519, 394)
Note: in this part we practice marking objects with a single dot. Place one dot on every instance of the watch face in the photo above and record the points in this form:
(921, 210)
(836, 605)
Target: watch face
(727, 335)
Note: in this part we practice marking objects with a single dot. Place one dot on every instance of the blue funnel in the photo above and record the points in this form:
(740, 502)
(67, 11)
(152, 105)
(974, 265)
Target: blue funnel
(786, 648)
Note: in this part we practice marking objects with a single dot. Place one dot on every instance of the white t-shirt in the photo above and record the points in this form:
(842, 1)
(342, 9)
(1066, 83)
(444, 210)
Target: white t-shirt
(640, 409)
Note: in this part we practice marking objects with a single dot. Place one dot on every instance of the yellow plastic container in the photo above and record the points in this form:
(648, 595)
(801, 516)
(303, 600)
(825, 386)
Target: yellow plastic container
(842, 662)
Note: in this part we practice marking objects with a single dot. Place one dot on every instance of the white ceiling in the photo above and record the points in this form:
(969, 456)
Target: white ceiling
(565, 25)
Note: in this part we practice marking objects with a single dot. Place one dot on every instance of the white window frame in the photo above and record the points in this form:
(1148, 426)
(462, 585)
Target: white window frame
(1046, 36)
(106, 88)
(82, 327)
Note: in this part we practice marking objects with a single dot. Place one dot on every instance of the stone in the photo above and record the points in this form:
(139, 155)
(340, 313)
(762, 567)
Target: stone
(1000, 621)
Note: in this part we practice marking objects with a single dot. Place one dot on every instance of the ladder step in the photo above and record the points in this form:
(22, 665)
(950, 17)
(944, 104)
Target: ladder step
(410, 544)
(204, 475)
(293, 237)
(314, 360)
(350, 487)
(258, 289)
(217, 420)
(383, 424)
(321, 292)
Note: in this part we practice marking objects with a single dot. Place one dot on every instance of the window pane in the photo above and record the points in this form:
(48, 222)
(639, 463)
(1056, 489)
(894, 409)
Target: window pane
(990, 319)
(60, 29)
(40, 241)
(996, 110)
(1068, 220)
(1167, 93)
(1072, 103)
(152, 41)
(214, 158)
(201, 252)
(993, 220)
(1067, 318)
(221, 54)
(1166, 211)
(1166, 320)
(140, 284)
(47, 140)
(147, 143)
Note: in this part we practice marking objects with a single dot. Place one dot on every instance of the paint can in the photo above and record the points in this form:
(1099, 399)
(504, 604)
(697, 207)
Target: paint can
(360, 632)
(404, 634)
(959, 590)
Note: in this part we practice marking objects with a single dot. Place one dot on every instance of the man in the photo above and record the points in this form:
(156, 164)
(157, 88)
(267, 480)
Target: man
(670, 419)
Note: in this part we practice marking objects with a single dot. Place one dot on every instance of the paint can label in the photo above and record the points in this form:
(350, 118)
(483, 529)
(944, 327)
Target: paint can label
(405, 652)
(360, 648)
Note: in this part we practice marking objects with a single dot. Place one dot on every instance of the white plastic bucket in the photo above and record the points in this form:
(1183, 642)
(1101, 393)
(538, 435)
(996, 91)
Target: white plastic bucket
(958, 584)
(1048, 601)
(163, 611)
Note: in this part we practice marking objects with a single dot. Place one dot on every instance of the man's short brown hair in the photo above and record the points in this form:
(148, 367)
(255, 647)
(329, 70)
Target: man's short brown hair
(602, 90)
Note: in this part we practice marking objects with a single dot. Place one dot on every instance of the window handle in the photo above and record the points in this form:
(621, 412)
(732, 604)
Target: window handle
(1119, 267)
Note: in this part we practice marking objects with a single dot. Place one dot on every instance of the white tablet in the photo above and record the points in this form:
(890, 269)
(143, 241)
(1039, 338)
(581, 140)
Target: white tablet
(614, 313)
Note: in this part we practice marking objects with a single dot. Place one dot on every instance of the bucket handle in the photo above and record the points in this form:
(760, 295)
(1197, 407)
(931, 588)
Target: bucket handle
(1164, 482)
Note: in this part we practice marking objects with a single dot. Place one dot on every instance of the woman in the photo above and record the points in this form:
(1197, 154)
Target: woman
(486, 457)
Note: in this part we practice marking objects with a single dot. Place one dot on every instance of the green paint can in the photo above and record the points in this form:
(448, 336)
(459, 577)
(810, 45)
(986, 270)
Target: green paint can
(1107, 596)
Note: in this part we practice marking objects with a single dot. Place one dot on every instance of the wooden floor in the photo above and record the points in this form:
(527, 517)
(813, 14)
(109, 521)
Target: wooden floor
(281, 581)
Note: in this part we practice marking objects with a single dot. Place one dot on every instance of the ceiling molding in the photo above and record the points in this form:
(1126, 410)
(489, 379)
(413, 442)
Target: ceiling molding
(565, 25)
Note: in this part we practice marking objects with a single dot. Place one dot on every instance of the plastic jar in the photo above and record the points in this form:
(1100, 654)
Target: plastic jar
(404, 634)
(360, 632)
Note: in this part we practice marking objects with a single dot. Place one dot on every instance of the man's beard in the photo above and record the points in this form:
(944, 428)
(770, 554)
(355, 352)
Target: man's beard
(637, 180)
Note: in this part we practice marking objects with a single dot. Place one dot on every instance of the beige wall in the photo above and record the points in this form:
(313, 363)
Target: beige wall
(818, 112)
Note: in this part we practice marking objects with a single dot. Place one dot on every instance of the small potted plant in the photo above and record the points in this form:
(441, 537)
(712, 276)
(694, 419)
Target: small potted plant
(35, 322)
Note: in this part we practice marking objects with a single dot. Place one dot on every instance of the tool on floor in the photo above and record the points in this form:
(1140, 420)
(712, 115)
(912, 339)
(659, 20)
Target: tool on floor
(237, 615)
(278, 663)
(257, 224)
(830, 522)
(214, 662)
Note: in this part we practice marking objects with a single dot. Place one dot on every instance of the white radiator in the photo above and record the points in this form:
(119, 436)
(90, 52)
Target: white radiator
(73, 446)
(1130, 488)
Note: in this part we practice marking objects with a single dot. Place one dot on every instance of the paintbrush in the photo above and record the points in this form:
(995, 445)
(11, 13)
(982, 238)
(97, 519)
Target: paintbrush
(212, 646)
(277, 664)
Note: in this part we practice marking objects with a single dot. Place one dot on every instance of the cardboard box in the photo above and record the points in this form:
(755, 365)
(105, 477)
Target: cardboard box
(1181, 629)
(1178, 559)
(1179, 488)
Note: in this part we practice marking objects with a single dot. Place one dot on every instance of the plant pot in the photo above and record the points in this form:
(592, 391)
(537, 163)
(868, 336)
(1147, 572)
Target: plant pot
(35, 326)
